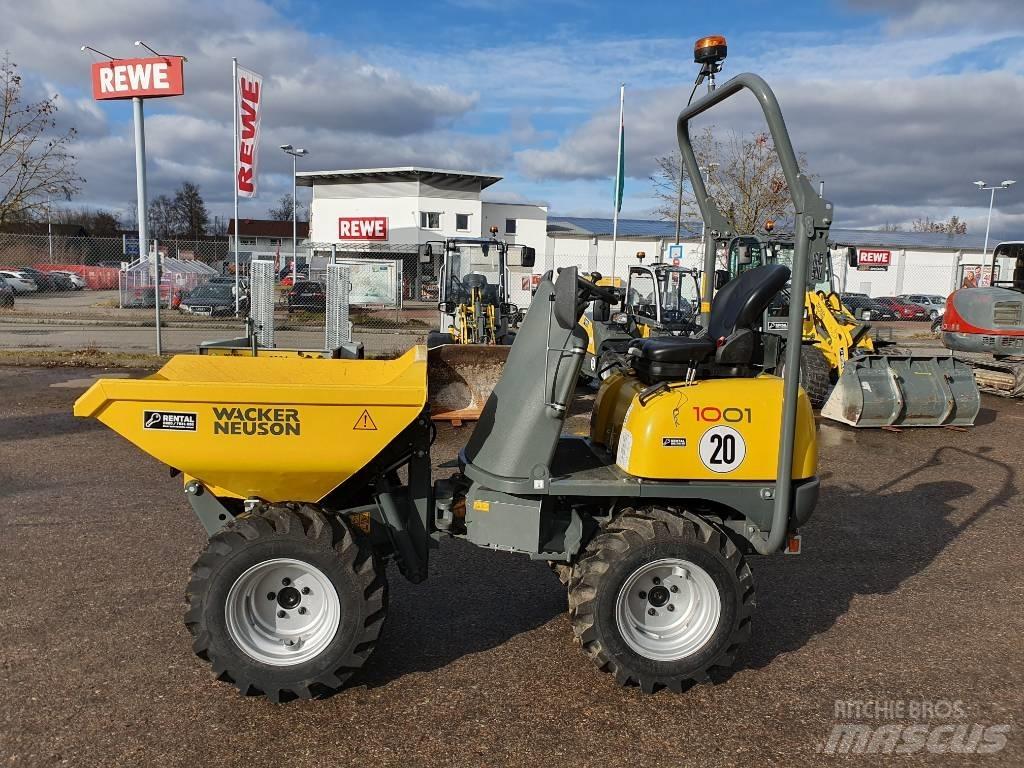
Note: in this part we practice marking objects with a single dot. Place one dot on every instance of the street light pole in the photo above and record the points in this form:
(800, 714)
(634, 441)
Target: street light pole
(288, 149)
(988, 225)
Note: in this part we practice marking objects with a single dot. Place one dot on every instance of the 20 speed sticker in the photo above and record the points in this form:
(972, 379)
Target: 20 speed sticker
(722, 449)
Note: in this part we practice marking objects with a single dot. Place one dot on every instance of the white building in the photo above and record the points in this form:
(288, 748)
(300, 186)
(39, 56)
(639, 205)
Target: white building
(903, 262)
(388, 212)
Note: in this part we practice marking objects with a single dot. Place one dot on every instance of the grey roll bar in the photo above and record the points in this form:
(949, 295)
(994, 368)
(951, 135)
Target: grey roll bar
(813, 218)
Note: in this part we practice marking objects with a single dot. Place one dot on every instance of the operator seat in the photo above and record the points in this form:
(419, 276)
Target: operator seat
(731, 344)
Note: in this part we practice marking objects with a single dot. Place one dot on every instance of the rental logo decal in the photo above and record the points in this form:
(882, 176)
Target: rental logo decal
(873, 260)
(169, 421)
(257, 421)
(363, 228)
(128, 78)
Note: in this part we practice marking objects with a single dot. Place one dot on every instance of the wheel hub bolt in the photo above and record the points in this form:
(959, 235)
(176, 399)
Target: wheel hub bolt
(271, 596)
(670, 607)
(281, 614)
(651, 612)
(306, 590)
(674, 588)
(286, 581)
(656, 580)
(643, 595)
(302, 611)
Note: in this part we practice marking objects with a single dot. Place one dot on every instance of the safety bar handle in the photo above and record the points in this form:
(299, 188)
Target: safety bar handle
(813, 218)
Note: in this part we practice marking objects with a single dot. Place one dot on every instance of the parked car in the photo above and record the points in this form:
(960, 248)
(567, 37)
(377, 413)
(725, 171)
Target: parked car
(864, 308)
(904, 310)
(212, 299)
(20, 282)
(49, 282)
(243, 282)
(6, 294)
(307, 297)
(301, 277)
(77, 281)
(934, 305)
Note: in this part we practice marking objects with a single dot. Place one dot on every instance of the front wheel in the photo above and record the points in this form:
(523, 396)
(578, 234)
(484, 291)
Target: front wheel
(286, 602)
(659, 598)
(932, 315)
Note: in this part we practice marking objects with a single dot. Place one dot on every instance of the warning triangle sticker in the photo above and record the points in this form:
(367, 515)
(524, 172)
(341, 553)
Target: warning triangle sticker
(365, 422)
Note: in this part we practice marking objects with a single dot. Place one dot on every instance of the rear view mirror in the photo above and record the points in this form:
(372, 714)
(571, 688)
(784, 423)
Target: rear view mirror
(851, 256)
(447, 307)
(425, 252)
(521, 256)
(722, 277)
(742, 254)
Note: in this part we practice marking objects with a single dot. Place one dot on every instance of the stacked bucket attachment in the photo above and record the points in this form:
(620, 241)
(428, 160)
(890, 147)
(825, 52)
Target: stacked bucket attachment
(904, 391)
(461, 377)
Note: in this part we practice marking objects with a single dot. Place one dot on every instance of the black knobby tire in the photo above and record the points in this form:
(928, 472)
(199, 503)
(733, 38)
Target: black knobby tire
(307, 535)
(815, 374)
(629, 542)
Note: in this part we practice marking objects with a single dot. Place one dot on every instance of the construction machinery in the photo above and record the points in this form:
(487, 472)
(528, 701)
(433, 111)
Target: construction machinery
(309, 474)
(845, 372)
(477, 320)
(658, 300)
(984, 325)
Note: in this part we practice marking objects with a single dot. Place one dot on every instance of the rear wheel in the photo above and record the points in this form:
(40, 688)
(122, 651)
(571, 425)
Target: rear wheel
(658, 599)
(815, 374)
(286, 602)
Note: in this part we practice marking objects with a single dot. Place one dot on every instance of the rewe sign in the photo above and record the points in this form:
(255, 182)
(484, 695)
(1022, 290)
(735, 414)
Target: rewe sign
(363, 228)
(873, 260)
(249, 87)
(147, 78)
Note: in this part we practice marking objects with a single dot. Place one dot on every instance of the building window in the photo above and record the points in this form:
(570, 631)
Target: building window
(247, 241)
(430, 220)
(275, 241)
(462, 222)
(510, 226)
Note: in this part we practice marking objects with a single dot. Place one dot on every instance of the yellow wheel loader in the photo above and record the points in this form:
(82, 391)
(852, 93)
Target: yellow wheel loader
(477, 320)
(310, 475)
(658, 300)
(846, 373)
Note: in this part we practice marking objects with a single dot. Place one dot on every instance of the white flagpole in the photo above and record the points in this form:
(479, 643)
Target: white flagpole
(234, 164)
(618, 165)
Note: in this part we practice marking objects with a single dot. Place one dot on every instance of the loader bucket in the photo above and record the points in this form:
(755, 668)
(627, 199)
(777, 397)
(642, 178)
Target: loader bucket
(904, 391)
(460, 378)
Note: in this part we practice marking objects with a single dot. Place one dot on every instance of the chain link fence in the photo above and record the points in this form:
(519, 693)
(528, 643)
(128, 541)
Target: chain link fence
(96, 291)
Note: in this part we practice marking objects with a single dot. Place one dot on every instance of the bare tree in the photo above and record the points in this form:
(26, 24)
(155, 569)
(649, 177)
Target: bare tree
(190, 214)
(888, 227)
(97, 222)
(283, 210)
(953, 226)
(35, 164)
(743, 176)
(162, 218)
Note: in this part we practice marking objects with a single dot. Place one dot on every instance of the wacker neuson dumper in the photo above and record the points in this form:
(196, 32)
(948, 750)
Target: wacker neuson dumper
(310, 475)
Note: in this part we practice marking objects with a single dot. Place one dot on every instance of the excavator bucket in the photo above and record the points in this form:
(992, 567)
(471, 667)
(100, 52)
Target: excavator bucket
(460, 378)
(904, 391)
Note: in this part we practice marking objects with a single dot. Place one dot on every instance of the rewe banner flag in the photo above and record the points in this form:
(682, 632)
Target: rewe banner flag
(249, 108)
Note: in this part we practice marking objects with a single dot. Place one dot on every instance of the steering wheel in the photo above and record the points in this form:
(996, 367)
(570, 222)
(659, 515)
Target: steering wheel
(592, 290)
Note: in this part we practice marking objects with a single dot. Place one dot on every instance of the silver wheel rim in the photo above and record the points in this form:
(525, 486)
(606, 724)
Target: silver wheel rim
(282, 612)
(657, 631)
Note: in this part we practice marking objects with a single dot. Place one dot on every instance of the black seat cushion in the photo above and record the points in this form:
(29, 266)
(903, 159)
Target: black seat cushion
(676, 349)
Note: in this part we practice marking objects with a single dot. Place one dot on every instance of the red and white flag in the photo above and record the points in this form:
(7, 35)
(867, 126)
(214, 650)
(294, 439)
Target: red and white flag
(249, 88)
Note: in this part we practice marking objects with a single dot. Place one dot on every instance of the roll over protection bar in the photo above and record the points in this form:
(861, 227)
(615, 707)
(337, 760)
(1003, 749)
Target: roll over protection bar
(813, 219)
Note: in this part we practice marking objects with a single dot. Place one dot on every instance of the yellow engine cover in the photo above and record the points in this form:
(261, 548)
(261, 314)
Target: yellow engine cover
(716, 429)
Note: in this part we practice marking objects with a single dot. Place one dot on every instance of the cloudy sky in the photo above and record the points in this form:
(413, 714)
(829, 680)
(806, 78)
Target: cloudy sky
(898, 104)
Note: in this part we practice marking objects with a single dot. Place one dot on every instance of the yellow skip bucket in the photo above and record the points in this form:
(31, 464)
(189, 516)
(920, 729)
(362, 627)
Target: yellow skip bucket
(279, 429)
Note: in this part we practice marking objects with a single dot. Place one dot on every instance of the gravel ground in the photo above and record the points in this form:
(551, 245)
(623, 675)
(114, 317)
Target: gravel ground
(909, 589)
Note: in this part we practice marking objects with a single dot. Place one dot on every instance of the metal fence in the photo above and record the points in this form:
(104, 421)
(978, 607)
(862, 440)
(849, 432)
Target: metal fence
(73, 291)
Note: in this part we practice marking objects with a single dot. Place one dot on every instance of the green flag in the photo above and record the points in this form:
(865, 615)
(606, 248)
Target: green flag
(620, 167)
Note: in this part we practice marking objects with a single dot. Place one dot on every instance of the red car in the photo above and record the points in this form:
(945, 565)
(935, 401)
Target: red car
(904, 309)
